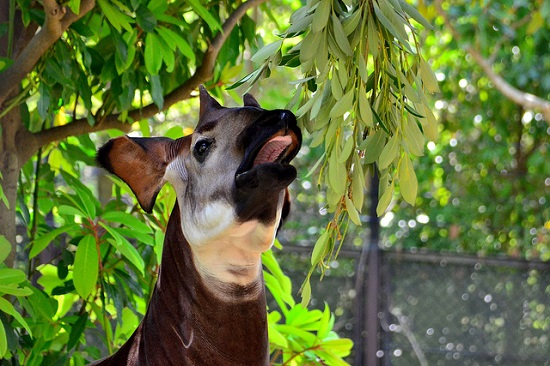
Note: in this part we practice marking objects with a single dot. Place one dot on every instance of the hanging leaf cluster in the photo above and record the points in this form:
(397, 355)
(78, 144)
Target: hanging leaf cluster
(362, 97)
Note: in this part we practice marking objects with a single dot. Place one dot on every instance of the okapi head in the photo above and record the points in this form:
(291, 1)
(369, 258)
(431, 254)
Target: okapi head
(231, 177)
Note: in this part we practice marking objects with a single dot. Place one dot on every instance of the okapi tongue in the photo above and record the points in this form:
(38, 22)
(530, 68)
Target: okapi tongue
(273, 150)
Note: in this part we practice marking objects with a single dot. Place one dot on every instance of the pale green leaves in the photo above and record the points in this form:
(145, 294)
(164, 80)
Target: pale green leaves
(361, 97)
(407, 179)
(389, 152)
(267, 51)
(428, 77)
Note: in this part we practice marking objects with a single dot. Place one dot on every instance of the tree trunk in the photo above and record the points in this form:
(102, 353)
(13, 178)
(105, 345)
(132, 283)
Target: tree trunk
(9, 167)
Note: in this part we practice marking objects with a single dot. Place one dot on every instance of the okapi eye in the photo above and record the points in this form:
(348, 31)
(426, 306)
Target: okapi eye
(201, 149)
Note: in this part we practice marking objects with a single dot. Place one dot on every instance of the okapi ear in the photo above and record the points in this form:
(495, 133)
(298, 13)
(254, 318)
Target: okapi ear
(206, 101)
(250, 101)
(141, 163)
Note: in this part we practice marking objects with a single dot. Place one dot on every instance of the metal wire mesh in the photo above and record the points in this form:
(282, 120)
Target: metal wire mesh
(442, 309)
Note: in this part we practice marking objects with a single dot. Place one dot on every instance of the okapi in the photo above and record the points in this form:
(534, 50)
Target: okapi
(231, 177)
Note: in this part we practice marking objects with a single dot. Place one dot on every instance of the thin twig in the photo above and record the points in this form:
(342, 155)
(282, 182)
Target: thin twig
(524, 99)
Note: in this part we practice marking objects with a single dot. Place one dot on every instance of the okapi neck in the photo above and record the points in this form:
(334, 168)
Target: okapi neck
(193, 322)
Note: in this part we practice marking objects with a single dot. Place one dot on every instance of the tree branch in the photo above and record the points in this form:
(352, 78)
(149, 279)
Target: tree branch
(524, 99)
(58, 19)
(28, 142)
(202, 74)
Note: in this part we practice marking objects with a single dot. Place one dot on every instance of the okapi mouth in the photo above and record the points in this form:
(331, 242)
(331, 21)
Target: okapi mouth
(271, 147)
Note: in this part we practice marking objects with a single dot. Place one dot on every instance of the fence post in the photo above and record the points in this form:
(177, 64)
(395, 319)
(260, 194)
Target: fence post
(367, 288)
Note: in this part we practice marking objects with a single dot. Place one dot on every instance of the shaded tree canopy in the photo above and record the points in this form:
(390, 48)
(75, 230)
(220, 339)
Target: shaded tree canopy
(364, 87)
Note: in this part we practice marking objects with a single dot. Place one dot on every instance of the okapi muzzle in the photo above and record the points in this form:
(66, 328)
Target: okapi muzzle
(230, 177)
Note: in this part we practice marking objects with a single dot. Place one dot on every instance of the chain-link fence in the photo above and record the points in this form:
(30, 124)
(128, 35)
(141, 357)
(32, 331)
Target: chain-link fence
(437, 309)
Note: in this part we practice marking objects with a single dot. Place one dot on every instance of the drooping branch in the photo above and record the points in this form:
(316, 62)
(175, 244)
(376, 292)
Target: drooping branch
(57, 19)
(519, 97)
(202, 74)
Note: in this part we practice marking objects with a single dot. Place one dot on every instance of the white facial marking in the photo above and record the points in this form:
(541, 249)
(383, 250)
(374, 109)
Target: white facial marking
(203, 224)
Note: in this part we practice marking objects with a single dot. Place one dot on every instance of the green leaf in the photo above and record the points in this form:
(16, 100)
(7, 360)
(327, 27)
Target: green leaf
(205, 15)
(276, 337)
(167, 54)
(10, 276)
(341, 346)
(343, 105)
(86, 265)
(337, 174)
(389, 152)
(8, 308)
(358, 183)
(5, 63)
(125, 248)
(413, 13)
(266, 52)
(299, 21)
(324, 324)
(429, 124)
(153, 56)
(117, 19)
(86, 197)
(387, 16)
(320, 17)
(303, 335)
(74, 5)
(385, 200)
(76, 331)
(306, 292)
(44, 101)
(3, 197)
(365, 111)
(145, 18)
(428, 77)
(174, 39)
(15, 290)
(128, 220)
(346, 150)
(309, 46)
(70, 210)
(352, 212)
(3, 340)
(157, 92)
(372, 37)
(5, 248)
(340, 36)
(42, 241)
(407, 180)
(320, 248)
(413, 137)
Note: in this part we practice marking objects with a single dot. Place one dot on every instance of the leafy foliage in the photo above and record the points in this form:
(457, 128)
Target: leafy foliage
(362, 97)
(297, 335)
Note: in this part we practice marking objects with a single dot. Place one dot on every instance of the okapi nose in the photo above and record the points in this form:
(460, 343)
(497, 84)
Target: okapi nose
(285, 116)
